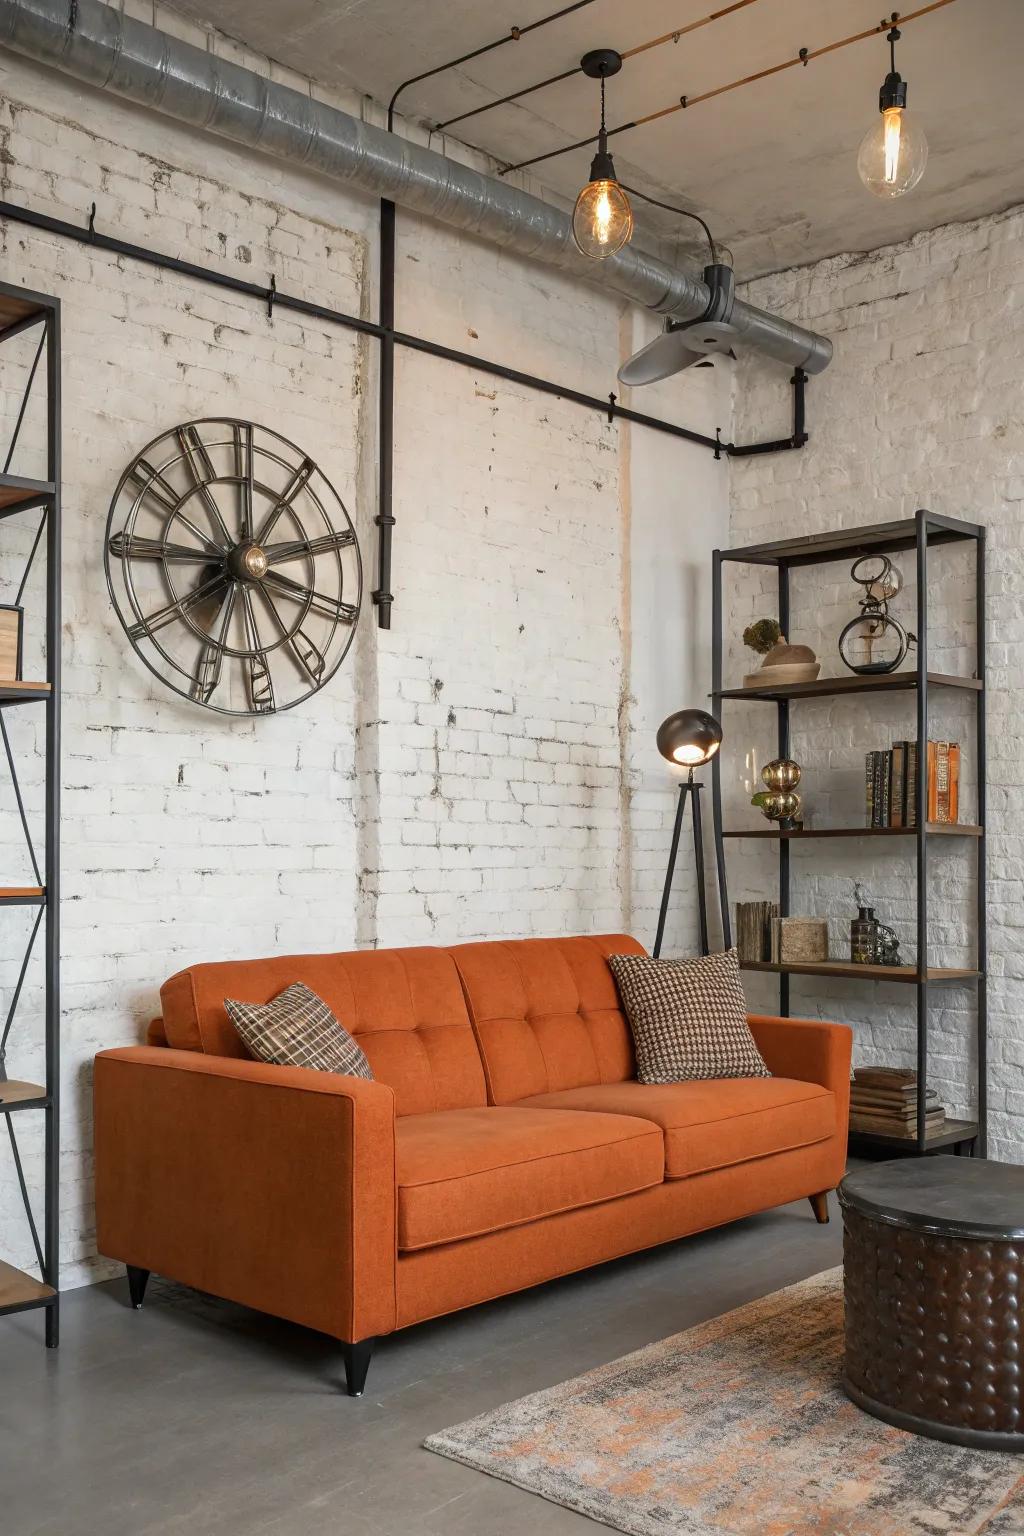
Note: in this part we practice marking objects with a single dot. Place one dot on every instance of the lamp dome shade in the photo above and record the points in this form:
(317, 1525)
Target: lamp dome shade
(690, 738)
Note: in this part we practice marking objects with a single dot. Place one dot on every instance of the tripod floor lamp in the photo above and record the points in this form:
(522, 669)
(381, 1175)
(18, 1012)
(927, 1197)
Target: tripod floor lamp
(688, 739)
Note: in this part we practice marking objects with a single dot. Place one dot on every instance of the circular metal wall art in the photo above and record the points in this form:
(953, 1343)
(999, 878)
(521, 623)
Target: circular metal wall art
(233, 566)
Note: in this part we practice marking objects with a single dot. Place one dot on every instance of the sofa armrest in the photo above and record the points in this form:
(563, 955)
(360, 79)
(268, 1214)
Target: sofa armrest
(270, 1186)
(812, 1052)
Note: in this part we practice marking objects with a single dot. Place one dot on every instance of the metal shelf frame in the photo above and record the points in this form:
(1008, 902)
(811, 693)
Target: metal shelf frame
(921, 533)
(23, 311)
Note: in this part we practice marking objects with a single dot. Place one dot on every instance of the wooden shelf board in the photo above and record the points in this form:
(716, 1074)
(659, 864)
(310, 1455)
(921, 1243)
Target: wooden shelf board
(14, 490)
(14, 691)
(935, 829)
(826, 687)
(16, 1094)
(18, 1290)
(847, 970)
(848, 543)
(22, 895)
(14, 309)
(952, 1133)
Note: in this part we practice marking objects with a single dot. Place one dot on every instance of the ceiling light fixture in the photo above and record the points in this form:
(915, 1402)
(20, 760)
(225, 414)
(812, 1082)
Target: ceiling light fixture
(894, 152)
(602, 221)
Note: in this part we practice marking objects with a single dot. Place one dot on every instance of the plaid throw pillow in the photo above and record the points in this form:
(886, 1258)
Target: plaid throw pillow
(689, 1017)
(297, 1029)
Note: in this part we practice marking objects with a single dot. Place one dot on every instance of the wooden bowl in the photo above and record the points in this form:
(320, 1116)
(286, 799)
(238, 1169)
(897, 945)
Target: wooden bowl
(773, 677)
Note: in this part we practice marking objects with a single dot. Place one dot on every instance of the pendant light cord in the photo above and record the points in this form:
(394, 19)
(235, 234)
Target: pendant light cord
(671, 208)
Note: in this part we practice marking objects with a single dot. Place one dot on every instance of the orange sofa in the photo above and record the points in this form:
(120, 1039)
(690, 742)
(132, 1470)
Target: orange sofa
(503, 1142)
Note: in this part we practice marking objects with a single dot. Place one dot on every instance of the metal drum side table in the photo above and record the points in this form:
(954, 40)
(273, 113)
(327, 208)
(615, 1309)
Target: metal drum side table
(934, 1280)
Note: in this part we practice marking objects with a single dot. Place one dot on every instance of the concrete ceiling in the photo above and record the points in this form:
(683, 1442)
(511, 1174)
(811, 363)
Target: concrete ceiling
(772, 166)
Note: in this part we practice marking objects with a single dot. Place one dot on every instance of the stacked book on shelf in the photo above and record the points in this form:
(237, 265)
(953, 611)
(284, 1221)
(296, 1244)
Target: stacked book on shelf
(754, 925)
(891, 784)
(883, 1102)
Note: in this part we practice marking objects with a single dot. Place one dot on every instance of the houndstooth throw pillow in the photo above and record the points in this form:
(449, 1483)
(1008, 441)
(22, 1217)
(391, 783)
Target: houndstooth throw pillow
(689, 1017)
(297, 1029)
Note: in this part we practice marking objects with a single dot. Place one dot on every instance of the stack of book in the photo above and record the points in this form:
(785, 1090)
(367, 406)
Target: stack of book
(891, 784)
(883, 1100)
(754, 921)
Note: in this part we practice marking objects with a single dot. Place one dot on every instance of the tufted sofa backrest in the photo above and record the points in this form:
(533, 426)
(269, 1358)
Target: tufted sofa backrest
(405, 1006)
(546, 1013)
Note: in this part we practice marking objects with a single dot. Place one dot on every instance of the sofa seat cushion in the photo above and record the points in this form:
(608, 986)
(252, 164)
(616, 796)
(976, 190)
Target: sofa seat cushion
(715, 1122)
(462, 1172)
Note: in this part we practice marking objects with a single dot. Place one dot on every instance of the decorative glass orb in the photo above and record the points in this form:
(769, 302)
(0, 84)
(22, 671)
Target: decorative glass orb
(602, 221)
(689, 738)
(893, 154)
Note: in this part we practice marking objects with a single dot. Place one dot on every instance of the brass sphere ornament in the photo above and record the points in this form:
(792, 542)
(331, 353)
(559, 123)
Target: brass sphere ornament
(781, 805)
(781, 773)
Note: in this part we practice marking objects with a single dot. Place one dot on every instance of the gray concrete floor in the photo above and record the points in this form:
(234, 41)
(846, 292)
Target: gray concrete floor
(197, 1416)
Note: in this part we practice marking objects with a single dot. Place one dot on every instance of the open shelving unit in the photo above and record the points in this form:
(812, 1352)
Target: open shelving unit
(21, 312)
(920, 534)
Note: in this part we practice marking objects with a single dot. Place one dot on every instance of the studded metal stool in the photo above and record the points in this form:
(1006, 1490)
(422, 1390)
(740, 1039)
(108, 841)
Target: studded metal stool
(934, 1266)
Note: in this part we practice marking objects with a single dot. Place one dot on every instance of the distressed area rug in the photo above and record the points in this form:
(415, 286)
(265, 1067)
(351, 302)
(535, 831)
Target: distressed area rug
(739, 1428)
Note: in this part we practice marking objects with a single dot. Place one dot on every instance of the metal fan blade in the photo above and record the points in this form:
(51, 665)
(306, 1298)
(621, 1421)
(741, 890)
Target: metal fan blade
(667, 354)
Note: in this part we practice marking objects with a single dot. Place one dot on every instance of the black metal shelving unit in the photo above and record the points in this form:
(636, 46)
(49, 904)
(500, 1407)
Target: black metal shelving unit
(24, 312)
(920, 533)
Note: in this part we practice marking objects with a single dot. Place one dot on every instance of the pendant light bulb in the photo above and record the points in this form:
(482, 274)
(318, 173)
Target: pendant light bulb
(602, 220)
(894, 151)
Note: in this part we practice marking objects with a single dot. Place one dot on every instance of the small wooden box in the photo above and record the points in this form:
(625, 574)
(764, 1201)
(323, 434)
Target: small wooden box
(10, 643)
(802, 940)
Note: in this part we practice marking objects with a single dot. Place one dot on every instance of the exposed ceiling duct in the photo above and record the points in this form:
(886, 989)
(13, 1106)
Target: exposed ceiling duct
(99, 45)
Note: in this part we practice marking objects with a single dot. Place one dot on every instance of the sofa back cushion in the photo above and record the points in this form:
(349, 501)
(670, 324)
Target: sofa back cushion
(546, 1013)
(405, 1007)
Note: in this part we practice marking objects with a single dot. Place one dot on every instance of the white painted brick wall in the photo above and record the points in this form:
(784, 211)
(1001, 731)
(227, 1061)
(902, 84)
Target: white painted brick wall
(486, 767)
(919, 408)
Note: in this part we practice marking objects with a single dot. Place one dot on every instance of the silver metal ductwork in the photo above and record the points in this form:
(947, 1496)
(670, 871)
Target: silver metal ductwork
(99, 45)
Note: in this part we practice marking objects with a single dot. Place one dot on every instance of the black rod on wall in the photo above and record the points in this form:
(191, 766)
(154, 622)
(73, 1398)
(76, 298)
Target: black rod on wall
(383, 330)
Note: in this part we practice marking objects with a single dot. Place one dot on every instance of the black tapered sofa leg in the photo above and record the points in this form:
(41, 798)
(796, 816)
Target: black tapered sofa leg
(138, 1279)
(357, 1363)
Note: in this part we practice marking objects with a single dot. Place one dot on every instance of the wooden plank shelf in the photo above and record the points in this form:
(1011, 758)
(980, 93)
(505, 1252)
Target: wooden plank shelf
(20, 1095)
(848, 543)
(22, 895)
(20, 1292)
(17, 492)
(848, 970)
(831, 687)
(14, 691)
(16, 310)
(953, 1133)
(935, 829)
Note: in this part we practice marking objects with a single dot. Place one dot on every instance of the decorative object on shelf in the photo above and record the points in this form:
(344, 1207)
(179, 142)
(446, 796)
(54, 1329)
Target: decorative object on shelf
(688, 739)
(754, 921)
(894, 151)
(12, 623)
(602, 221)
(783, 663)
(233, 566)
(799, 940)
(883, 1102)
(779, 801)
(874, 641)
(871, 942)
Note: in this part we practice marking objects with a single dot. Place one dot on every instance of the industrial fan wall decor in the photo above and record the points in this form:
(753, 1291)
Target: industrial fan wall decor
(233, 566)
(685, 344)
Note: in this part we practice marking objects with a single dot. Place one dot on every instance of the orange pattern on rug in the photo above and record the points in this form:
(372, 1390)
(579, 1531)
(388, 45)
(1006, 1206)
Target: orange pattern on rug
(739, 1428)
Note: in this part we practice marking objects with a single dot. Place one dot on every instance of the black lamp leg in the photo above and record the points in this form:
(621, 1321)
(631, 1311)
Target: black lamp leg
(698, 854)
(676, 830)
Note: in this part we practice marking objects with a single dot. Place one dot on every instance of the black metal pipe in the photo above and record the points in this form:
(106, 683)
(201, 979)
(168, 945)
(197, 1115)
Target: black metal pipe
(670, 871)
(385, 520)
(783, 712)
